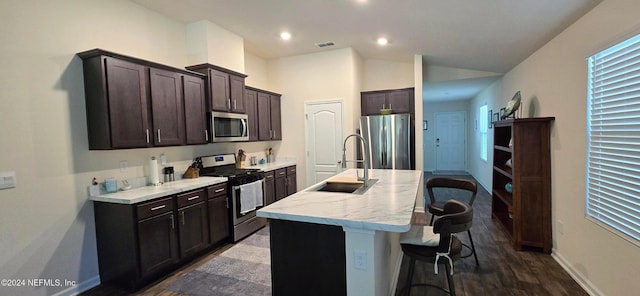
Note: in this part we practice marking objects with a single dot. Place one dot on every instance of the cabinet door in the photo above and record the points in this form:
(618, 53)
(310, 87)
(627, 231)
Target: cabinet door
(264, 117)
(157, 243)
(371, 103)
(281, 183)
(128, 111)
(401, 101)
(220, 94)
(276, 118)
(269, 188)
(251, 106)
(194, 229)
(167, 108)
(219, 219)
(291, 180)
(236, 86)
(195, 110)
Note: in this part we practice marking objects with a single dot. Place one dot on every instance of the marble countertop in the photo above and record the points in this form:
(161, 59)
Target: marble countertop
(278, 164)
(151, 192)
(388, 205)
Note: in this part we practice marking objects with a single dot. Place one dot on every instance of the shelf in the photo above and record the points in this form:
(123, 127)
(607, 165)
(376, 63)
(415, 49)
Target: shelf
(502, 148)
(505, 196)
(504, 170)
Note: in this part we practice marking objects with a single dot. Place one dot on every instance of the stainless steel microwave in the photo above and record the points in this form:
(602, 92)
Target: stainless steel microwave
(229, 127)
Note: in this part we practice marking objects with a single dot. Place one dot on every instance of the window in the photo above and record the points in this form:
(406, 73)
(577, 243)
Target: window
(483, 132)
(613, 136)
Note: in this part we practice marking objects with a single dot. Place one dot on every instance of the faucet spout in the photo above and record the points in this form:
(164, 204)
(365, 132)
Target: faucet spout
(364, 178)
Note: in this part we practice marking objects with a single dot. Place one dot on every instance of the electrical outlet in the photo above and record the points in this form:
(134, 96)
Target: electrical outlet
(560, 226)
(360, 259)
(7, 180)
(123, 165)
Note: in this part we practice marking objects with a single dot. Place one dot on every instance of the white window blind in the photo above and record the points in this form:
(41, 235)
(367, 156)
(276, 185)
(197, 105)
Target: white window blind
(613, 158)
(483, 132)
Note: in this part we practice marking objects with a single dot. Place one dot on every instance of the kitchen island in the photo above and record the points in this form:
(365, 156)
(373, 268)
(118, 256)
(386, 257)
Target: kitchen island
(333, 243)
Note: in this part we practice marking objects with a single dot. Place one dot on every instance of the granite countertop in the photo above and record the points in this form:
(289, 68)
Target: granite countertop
(142, 194)
(387, 206)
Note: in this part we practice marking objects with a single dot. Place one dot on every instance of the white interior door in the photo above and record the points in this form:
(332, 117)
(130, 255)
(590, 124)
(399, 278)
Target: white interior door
(451, 134)
(323, 132)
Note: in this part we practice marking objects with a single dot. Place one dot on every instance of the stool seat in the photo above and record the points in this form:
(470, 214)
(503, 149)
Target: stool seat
(436, 208)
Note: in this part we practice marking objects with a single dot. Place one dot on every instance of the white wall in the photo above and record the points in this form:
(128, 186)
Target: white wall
(553, 82)
(210, 43)
(380, 74)
(321, 76)
(47, 222)
(256, 69)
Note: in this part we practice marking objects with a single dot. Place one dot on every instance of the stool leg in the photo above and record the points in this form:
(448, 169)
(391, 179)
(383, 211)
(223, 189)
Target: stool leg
(407, 286)
(431, 222)
(452, 286)
(473, 248)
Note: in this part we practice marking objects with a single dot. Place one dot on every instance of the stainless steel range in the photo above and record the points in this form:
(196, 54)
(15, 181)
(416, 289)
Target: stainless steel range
(250, 181)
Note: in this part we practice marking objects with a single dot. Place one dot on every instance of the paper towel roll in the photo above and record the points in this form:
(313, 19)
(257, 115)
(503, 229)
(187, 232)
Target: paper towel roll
(154, 179)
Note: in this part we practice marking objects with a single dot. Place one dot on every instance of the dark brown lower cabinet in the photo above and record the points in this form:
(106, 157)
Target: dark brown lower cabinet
(158, 244)
(314, 261)
(291, 180)
(280, 184)
(269, 187)
(138, 243)
(219, 225)
(194, 229)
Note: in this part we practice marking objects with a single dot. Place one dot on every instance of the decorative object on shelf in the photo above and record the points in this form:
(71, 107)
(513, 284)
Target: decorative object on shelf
(510, 143)
(386, 111)
(425, 125)
(508, 187)
(489, 121)
(508, 162)
(512, 106)
(502, 112)
(495, 117)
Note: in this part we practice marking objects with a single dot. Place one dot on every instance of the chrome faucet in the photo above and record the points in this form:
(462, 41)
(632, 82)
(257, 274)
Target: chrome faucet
(365, 178)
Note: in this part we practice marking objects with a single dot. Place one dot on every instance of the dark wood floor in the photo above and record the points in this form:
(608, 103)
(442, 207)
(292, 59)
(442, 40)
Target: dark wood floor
(502, 270)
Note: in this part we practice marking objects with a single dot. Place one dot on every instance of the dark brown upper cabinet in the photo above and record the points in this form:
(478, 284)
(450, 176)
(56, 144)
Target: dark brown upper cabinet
(133, 103)
(225, 88)
(399, 100)
(269, 116)
(167, 107)
(251, 104)
(196, 109)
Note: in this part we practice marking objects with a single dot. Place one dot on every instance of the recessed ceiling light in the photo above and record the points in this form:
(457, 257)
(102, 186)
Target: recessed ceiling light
(382, 41)
(285, 35)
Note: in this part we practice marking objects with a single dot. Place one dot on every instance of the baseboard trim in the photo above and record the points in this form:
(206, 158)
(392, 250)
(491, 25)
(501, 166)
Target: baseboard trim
(81, 287)
(583, 282)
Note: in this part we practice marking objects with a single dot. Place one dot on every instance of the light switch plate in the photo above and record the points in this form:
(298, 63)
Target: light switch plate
(7, 180)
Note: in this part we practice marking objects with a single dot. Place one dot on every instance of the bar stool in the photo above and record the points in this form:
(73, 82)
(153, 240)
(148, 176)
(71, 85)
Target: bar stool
(437, 244)
(435, 206)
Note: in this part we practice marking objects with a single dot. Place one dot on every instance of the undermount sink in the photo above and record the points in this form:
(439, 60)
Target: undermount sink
(351, 188)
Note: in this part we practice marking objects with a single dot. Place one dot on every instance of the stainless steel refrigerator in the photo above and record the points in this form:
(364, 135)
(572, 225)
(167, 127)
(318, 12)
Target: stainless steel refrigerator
(389, 139)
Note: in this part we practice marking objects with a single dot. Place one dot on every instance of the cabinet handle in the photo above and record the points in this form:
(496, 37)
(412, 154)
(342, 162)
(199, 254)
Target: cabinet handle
(390, 106)
(235, 105)
(206, 135)
(226, 202)
(229, 103)
(383, 106)
(219, 190)
(182, 214)
(274, 134)
(158, 207)
(147, 136)
(193, 197)
(159, 139)
(172, 226)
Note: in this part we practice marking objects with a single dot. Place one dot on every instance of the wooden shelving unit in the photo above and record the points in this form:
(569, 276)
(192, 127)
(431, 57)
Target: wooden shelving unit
(525, 213)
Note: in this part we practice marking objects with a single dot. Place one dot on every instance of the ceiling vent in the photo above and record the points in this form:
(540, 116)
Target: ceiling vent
(325, 44)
